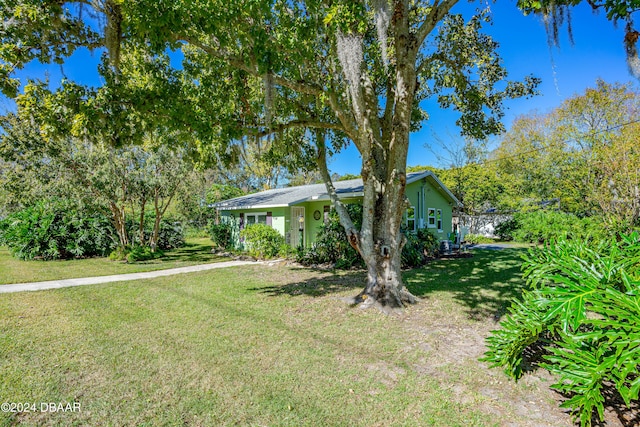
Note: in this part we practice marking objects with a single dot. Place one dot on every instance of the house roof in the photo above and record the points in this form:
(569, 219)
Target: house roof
(290, 196)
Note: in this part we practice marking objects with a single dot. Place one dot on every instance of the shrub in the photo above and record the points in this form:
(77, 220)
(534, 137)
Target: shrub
(475, 239)
(506, 229)
(549, 226)
(262, 240)
(141, 253)
(57, 230)
(221, 234)
(418, 247)
(583, 304)
(171, 234)
(134, 253)
(430, 242)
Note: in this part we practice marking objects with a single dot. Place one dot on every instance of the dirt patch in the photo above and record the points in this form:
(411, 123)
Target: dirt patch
(452, 346)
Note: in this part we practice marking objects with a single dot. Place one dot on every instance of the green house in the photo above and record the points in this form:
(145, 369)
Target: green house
(298, 212)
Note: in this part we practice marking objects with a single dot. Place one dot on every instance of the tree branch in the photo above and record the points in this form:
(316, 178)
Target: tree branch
(301, 123)
(353, 235)
(239, 63)
(435, 15)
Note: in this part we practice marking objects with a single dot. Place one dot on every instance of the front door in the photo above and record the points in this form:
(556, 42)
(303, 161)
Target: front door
(297, 226)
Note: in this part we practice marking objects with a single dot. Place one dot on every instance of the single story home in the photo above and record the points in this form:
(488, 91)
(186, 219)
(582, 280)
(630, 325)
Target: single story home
(298, 212)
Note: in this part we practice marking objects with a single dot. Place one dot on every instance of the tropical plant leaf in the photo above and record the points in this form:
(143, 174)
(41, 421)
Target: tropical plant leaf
(586, 298)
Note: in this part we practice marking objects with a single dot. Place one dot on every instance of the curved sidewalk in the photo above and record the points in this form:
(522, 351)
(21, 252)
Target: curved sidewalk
(65, 283)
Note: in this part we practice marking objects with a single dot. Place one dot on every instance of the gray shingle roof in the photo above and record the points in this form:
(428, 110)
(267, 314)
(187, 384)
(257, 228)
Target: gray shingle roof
(290, 196)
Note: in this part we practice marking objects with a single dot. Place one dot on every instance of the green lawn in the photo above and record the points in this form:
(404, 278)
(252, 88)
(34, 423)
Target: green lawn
(12, 270)
(268, 346)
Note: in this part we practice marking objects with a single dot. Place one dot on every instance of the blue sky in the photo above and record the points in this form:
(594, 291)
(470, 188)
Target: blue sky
(566, 71)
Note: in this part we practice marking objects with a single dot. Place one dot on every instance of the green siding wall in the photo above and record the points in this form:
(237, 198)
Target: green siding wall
(433, 199)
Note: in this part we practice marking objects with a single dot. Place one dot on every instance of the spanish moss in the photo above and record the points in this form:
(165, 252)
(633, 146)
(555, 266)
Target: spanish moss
(554, 16)
(382, 18)
(113, 31)
(349, 49)
(630, 46)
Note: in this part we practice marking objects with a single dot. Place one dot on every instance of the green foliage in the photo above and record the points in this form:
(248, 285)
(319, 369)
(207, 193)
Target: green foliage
(170, 233)
(331, 245)
(141, 253)
(134, 253)
(418, 248)
(584, 304)
(475, 239)
(262, 241)
(584, 154)
(57, 230)
(197, 196)
(506, 229)
(221, 234)
(548, 226)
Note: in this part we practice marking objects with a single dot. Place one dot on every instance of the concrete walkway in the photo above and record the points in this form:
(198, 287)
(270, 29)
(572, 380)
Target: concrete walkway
(65, 283)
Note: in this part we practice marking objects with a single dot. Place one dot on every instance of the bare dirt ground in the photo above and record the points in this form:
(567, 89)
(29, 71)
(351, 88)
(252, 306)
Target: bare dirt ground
(456, 344)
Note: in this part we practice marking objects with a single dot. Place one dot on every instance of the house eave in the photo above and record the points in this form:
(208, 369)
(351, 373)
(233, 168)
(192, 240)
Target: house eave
(247, 207)
(323, 197)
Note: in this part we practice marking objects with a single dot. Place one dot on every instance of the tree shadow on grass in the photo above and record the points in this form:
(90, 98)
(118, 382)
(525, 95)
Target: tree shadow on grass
(323, 283)
(190, 252)
(484, 284)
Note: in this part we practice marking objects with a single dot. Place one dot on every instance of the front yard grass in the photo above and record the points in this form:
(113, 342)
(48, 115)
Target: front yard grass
(268, 345)
(13, 270)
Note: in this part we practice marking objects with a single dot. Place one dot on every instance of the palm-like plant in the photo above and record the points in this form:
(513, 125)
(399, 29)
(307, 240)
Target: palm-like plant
(583, 305)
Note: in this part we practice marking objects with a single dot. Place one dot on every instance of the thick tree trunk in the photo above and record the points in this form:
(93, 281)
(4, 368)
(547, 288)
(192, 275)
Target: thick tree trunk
(383, 142)
(380, 240)
(382, 248)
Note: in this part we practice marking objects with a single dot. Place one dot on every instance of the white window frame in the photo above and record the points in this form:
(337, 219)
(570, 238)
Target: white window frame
(439, 219)
(431, 218)
(255, 216)
(410, 218)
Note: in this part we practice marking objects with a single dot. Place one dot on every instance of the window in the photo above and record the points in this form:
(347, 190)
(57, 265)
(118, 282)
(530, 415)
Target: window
(439, 219)
(411, 218)
(256, 218)
(431, 218)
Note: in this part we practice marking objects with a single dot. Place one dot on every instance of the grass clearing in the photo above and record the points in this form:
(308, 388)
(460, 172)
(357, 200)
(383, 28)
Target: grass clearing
(267, 345)
(12, 270)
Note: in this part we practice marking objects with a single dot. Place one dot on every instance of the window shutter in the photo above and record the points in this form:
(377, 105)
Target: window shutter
(242, 221)
(269, 218)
